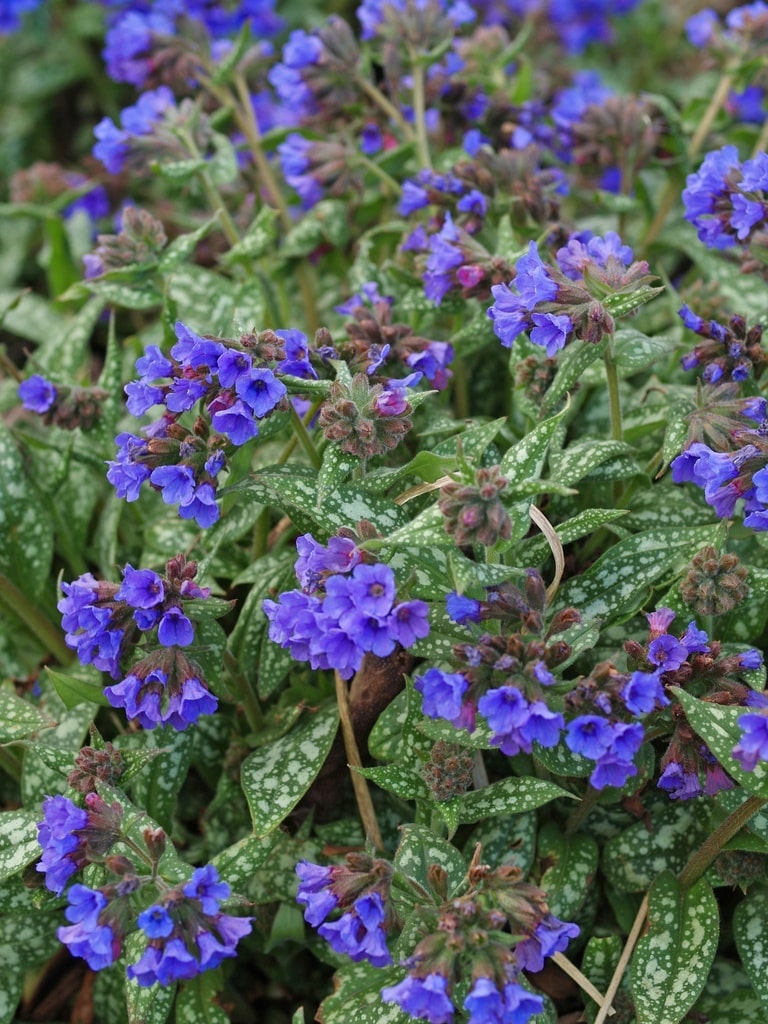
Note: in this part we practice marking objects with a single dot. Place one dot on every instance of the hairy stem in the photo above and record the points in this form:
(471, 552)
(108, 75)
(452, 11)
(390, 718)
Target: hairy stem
(715, 842)
(359, 783)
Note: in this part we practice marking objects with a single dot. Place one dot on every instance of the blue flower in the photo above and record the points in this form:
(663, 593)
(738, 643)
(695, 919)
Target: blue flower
(359, 932)
(462, 609)
(63, 850)
(94, 942)
(141, 588)
(753, 745)
(206, 886)
(442, 693)
(425, 997)
(37, 394)
(550, 936)
(175, 629)
(314, 892)
(155, 922)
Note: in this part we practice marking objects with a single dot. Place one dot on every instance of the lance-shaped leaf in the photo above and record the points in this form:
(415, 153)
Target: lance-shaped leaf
(673, 958)
(749, 931)
(573, 861)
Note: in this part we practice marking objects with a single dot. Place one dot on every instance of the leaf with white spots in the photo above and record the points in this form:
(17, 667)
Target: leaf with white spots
(474, 440)
(420, 848)
(336, 467)
(28, 939)
(18, 841)
(11, 987)
(673, 958)
(19, 717)
(601, 955)
(751, 935)
(238, 863)
(749, 620)
(525, 460)
(619, 582)
(507, 796)
(535, 550)
(356, 998)
(719, 727)
(507, 840)
(635, 350)
(634, 858)
(157, 786)
(275, 778)
(572, 363)
(570, 872)
(41, 777)
(196, 1001)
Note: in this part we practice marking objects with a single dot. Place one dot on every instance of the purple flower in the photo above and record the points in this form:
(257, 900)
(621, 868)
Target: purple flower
(751, 659)
(551, 331)
(462, 609)
(408, 622)
(359, 933)
(442, 693)
(63, 851)
(176, 483)
(422, 997)
(314, 892)
(37, 394)
(155, 922)
(206, 886)
(550, 936)
(175, 629)
(95, 943)
(700, 27)
(680, 784)
(590, 736)
(514, 1005)
(753, 745)
(141, 588)
(201, 506)
(667, 652)
(643, 693)
(533, 281)
(165, 963)
(261, 391)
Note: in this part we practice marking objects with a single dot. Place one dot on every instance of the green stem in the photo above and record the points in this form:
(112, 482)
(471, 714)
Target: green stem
(359, 783)
(244, 692)
(581, 811)
(212, 193)
(378, 97)
(420, 109)
(713, 844)
(392, 185)
(10, 763)
(304, 439)
(15, 602)
(614, 398)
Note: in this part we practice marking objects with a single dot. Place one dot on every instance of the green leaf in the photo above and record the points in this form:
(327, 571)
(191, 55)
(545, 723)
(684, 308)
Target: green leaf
(27, 939)
(579, 459)
(673, 958)
(238, 863)
(507, 796)
(39, 778)
(26, 542)
(195, 1004)
(601, 955)
(635, 351)
(525, 460)
(258, 240)
(634, 858)
(181, 249)
(275, 778)
(336, 467)
(718, 726)
(572, 363)
(11, 988)
(356, 998)
(19, 718)
(573, 861)
(621, 305)
(535, 550)
(619, 581)
(419, 848)
(75, 691)
(749, 931)
(157, 786)
(402, 780)
(474, 440)
(18, 841)
(222, 168)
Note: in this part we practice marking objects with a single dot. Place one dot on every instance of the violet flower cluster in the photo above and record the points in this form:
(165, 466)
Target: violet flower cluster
(105, 621)
(454, 939)
(728, 477)
(115, 144)
(727, 199)
(236, 391)
(556, 303)
(729, 351)
(186, 931)
(346, 608)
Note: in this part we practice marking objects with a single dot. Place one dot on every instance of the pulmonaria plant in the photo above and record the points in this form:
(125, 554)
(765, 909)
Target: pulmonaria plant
(186, 931)
(572, 298)
(486, 933)
(728, 352)
(60, 405)
(346, 608)
(105, 623)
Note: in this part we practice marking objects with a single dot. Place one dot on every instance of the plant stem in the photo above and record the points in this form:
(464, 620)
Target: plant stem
(15, 602)
(304, 439)
(614, 398)
(714, 843)
(718, 98)
(621, 966)
(385, 104)
(419, 109)
(244, 692)
(359, 783)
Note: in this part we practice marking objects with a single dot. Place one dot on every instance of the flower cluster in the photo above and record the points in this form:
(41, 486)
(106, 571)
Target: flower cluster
(745, 28)
(65, 407)
(237, 391)
(103, 621)
(504, 676)
(474, 513)
(570, 299)
(454, 939)
(140, 240)
(366, 419)
(727, 200)
(137, 122)
(345, 609)
(186, 931)
(728, 352)
(729, 476)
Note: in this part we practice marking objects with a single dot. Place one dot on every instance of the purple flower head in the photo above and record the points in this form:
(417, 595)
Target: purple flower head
(155, 922)
(590, 736)
(667, 652)
(695, 640)
(359, 932)
(408, 622)
(201, 506)
(753, 745)
(164, 963)
(261, 391)
(680, 784)
(233, 418)
(551, 331)
(513, 1005)
(63, 851)
(37, 394)
(751, 659)
(442, 693)
(550, 936)
(86, 938)
(315, 561)
(206, 886)
(700, 27)
(644, 693)
(141, 588)
(509, 314)
(314, 892)
(422, 997)
(175, 629)
(533, 281)
(372, 588)
(462, 609)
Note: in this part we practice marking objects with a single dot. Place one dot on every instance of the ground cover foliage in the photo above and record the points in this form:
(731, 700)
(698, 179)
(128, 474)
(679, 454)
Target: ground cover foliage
(384, 500)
